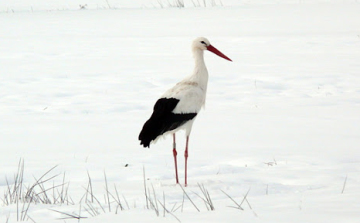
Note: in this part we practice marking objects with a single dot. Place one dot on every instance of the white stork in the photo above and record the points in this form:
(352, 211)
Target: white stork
(177, 108)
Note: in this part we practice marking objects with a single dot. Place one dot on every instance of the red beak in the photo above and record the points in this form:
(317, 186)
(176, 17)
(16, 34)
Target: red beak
(217, 52)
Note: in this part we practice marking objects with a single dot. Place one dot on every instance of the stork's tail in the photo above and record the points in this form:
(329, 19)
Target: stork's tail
(144, 139)
(150, 131)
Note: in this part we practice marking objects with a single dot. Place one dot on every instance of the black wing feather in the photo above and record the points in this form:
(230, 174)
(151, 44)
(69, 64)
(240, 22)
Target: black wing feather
(163, 120)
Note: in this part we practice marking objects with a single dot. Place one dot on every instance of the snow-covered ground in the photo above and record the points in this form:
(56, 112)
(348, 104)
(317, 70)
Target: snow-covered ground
(282, 120)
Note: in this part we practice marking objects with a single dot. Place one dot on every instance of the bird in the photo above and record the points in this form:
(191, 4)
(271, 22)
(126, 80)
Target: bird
(178, 107)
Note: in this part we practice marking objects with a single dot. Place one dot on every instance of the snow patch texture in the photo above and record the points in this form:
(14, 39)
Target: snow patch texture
(282, 119)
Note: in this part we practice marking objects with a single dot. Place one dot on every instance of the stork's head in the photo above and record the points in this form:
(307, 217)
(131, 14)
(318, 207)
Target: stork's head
(201, 43)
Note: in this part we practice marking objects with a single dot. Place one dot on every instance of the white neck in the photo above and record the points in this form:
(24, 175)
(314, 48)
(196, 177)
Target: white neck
(200, 73)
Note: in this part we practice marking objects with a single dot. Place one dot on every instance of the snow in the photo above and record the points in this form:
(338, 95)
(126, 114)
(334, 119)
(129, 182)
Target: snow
(282, 120)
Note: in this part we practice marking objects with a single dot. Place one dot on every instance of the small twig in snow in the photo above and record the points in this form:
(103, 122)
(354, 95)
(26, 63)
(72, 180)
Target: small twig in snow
(163, 205)
(344, 185)
(189, 198)
(238, 206)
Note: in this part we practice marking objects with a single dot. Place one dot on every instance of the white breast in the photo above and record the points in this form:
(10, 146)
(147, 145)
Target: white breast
(190, 94)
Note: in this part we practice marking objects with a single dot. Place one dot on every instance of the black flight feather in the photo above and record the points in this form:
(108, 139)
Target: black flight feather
(163, 120)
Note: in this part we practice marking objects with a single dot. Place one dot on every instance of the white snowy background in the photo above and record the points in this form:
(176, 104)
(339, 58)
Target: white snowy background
(282, 121)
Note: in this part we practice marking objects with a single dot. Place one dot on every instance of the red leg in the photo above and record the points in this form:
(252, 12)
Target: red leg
(175, 154)
(186, 158)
